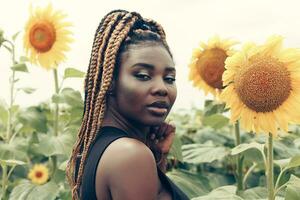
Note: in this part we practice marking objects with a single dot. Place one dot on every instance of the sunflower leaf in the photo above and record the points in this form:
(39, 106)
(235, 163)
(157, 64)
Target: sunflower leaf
(193, 185)
(244, 147)
(203, 153)
(294, 162)
(11, 162)
(14, 37)
(215, 121)
(27, 90)
(73, 73)
(293, 188)
(21, 67)
(24, 59)
(224, 192)
(29, 191)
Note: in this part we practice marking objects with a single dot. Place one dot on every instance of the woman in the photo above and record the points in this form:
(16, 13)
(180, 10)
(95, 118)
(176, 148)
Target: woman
(130, 88)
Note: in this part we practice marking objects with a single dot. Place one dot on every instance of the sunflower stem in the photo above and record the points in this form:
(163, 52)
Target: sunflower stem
(239, 161)
(11, 95)
(54, 164)
(4, 180)
(270, 168)
(56, 109)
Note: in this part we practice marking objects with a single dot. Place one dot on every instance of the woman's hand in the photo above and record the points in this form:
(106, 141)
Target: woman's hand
(163, 136)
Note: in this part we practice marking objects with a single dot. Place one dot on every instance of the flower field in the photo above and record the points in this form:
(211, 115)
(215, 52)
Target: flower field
(244, 144)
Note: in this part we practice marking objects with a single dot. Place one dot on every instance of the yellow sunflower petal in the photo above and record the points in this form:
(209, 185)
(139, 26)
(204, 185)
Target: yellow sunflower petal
(47, 37)
(263, 86)
(208, 64)
(39, 174)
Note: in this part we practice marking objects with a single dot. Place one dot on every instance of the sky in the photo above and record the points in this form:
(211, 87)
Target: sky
(186, 23)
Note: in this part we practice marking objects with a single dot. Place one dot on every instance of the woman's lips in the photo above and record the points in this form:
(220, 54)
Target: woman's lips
(157, 111)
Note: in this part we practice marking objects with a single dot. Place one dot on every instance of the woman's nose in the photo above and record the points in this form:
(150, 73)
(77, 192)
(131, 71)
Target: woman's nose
(159, 88)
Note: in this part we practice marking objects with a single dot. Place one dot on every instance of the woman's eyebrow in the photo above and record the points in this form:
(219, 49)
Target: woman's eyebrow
(145, 65)
(151, 67)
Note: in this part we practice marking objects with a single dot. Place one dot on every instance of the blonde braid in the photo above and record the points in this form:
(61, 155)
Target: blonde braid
(97, 65)
(108, 66)
(90, 79)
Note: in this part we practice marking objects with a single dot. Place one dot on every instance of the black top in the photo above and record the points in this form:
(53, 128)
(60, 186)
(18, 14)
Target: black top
(105, 137)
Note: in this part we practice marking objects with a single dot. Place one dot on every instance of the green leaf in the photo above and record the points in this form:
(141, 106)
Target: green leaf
(3, 112)
(27, 90)
(23, 59)
(55, 145)
(15, 149)
(34, 118)
(225, 192)
(282, 163)
(203, 153)
(192, 184)
(63, 165)
(215, 121)
(29, 191)
(293, 188)
(176, 149)
(254, 193)
(11, 162)
(21, 67)
(69, 96)
(73, 73)
(244, 147)
(21, 191)
(211, 107)
(295, 162)
(14, 37)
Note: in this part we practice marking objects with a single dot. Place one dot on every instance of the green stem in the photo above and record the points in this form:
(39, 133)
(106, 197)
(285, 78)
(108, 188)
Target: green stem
(270, 168)
(11, 97)
(239, 162)
(248, 173)
(54, 164)
(56, 111)
(4, 180)
(278, 189)
(56, 104)
(278, 178)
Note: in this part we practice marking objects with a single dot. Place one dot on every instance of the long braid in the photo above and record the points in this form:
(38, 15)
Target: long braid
(117, 30)
(98, 73)
(93, 68)
(108, 65)
(89, 80)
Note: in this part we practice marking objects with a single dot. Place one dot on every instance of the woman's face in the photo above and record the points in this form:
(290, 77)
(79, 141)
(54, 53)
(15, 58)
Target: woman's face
(146, 89)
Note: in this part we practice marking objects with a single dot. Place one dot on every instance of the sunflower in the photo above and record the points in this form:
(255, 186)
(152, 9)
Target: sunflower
(207, 64)
(47, 37)
(263, 86)
(39, 174)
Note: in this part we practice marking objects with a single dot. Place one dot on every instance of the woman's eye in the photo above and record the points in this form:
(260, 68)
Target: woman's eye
(170, 79)
(143, 77)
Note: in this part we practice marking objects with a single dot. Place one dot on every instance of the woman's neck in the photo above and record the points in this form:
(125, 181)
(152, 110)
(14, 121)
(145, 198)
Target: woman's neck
(114, 118)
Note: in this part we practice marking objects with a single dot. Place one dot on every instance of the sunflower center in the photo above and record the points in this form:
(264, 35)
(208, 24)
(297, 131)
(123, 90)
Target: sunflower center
(264, 84)
(38, 174)
(211, 66)
(42, 36)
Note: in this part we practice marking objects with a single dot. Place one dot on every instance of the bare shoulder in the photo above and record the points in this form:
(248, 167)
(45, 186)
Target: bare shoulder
(129, 168)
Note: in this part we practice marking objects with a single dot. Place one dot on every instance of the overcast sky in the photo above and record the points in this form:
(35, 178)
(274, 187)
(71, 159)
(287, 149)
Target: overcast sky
(186, 22)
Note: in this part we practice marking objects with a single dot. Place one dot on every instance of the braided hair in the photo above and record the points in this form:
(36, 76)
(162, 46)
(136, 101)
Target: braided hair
(116, 32)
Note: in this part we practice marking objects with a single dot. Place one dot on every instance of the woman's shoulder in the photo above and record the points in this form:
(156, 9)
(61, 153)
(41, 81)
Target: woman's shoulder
(128, 165)
(126, 151)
